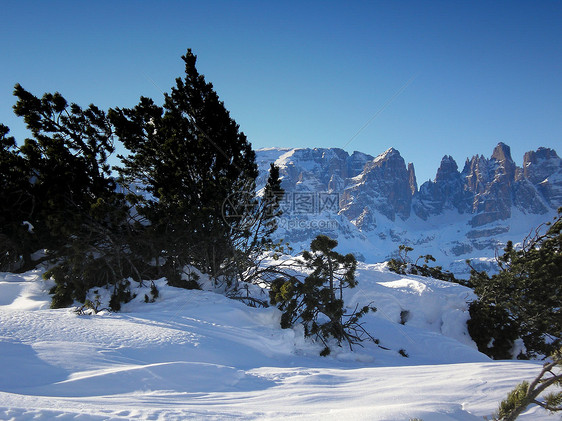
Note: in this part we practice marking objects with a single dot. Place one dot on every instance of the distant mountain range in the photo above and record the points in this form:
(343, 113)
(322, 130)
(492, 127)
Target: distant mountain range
(373, 204)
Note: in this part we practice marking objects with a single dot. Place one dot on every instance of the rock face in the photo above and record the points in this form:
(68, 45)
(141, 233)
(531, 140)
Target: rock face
(377, 198)
(446, 192)
(384, 186)
(491, 182)
(543, 169)
(490, 189)
(318, 170)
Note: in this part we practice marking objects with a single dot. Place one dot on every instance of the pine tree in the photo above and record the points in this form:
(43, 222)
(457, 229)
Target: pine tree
(16, 207)
(403, 265)
(255, 223)
(189, 156)
(317, 302)
(524, 299)
(78, 215)
(525, 393)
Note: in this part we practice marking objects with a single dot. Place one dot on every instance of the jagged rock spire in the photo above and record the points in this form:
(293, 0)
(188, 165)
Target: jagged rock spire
(412, 178)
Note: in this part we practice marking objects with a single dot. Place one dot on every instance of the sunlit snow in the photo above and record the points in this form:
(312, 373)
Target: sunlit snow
(199, 355)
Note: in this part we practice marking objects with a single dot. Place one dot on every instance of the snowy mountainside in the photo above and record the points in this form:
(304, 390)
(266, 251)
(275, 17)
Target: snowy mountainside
(199, 355)
(373, 204)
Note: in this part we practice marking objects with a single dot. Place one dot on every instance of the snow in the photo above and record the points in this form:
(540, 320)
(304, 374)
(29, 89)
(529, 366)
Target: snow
(437, 236)
(383, 156)
(199, 355)
(30, 227)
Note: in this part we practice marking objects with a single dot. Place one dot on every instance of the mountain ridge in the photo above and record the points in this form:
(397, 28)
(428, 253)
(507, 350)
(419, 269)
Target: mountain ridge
(378, 199)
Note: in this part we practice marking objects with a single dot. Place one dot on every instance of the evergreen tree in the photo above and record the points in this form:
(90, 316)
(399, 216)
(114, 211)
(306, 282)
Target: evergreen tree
(523, 300)
(77, 214)
(317, 302)
(525, 393)
(403, 265)
(16, 207)
(253, 227)
(189, 156)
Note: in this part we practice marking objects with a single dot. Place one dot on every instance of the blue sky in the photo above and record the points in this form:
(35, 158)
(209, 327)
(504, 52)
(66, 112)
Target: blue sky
(451, 77)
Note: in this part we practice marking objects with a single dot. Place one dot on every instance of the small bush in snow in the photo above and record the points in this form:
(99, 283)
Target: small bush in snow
(317, 301)
(403, 353)
(525, 393)
(402, 265)
(121, 294)
(404, 316)
(523, 300)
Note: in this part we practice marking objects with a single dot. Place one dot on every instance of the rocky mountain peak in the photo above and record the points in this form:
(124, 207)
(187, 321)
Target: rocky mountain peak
(502, 153)
(390, 154)
(391, 162)
(447, 169)
(446, 192)
(539, 164)
(357, 162)
(385, 185)
(491, 181)
(543, 169)
(477, 174)
(505, 165)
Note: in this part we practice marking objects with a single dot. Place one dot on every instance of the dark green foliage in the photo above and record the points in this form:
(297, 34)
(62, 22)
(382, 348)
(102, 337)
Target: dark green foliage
(513, 400)
(62, 296)
(400, 264)
(154, 293)
(435, 272)
(264, 216)
(317, 301)
(67, 155)
(403, 353)
(16, 206)
(524, 299)
(190, 156)
(492, 329)
(253, 226)
(175, 280)
(77, 214)
(91, 306)
(121, 294)
(404, 316)
(403, 265)
(525, 393)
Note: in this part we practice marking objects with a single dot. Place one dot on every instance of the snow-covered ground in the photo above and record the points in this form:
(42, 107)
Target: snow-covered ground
(199, 355)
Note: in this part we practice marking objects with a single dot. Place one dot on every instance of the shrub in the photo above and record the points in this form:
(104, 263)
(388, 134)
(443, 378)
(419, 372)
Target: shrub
(317, 301)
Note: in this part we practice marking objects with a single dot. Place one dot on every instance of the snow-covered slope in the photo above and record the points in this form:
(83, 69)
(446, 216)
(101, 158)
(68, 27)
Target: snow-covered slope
(199, 355)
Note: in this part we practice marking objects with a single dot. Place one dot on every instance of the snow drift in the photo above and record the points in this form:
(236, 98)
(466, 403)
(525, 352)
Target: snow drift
(200, 355)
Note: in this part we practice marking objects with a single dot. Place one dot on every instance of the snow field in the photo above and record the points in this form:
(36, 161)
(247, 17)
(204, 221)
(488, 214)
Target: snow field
(199, 355)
